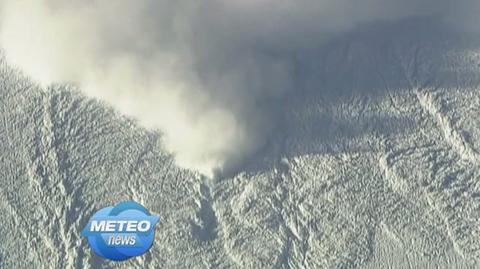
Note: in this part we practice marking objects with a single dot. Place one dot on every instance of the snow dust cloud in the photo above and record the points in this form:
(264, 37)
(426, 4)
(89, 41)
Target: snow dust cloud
(209, 74)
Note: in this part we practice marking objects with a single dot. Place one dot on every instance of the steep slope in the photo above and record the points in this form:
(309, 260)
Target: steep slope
(375, 165)
(377, 160)
(63, 157)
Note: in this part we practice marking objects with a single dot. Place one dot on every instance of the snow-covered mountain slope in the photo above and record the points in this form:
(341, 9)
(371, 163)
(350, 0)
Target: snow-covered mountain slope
(375, 165)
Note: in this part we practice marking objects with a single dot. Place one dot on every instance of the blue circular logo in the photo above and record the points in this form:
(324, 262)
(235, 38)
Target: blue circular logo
(121, 232)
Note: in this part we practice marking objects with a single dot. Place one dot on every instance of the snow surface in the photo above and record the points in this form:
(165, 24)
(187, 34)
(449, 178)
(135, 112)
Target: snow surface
(376, 165)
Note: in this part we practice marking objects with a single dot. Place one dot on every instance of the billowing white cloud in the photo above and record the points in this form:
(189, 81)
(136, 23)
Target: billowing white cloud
(207, 73)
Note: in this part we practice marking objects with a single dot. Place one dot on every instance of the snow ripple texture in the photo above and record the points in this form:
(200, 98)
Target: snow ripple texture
(376, 166)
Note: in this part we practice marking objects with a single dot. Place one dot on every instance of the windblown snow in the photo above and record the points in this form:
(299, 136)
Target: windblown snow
(375, 165)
